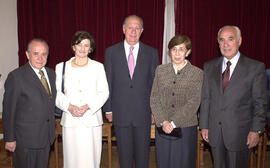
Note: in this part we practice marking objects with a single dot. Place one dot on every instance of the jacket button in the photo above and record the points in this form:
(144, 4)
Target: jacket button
(219, 123)
(48, 120)
(131, 86)
(172, 105)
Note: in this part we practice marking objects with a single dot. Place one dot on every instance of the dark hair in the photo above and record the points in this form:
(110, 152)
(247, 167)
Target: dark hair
(37, 40)
(82, 35)
(179, 39)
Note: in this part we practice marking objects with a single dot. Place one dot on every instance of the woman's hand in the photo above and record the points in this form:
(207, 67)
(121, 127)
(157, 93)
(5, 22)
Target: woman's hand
(167, 127)
(83, 109)
(74, 110)
(78, 111)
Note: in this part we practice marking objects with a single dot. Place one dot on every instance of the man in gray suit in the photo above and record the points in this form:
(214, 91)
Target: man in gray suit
(28, 109)
(130, 67)
(234, 102)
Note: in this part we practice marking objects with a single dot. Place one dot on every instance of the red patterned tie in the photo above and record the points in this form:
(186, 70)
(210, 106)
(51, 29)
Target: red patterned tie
(226, 76)
(131, 61)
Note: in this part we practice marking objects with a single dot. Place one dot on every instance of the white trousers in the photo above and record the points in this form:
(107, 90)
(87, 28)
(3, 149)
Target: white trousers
(82, 147)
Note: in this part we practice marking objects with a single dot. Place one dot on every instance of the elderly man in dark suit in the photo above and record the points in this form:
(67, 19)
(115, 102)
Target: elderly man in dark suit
(234, 102)
(28, 109)
(130, 67)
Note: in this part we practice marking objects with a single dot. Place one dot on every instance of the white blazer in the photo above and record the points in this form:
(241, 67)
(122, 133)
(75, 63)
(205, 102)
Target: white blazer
(85, 85)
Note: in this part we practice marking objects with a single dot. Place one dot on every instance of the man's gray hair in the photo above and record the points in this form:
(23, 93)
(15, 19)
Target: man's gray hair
(37, 40)
(238, 31)
(140, 19)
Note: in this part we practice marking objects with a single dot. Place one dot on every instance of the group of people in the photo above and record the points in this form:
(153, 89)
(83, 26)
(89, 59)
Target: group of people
(134, 91)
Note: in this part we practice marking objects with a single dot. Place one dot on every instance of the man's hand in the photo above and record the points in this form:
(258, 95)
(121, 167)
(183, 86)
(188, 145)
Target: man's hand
(204, 133)
(10, 146)
(109, 117)
(252, 139)
(167, 127)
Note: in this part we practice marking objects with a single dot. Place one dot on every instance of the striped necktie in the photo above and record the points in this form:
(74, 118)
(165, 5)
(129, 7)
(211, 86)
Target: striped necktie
(45, 83)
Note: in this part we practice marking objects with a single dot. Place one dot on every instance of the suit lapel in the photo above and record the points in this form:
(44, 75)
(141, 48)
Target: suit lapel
(36, 81)
(139, 59)
(237, 73)
(123, 59)
(218, 74)
(50, 76)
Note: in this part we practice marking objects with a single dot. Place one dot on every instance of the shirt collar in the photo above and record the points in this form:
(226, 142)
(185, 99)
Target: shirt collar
(234, 60)
(127, 45)
(175, 68)
(35, 69)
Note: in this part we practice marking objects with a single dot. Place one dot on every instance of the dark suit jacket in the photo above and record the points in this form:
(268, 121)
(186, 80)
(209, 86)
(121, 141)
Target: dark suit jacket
(129, 100)
(28, 112)
(240, 109)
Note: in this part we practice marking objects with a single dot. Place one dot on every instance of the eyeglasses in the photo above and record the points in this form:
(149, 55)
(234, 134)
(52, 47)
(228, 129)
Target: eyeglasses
(181, 49)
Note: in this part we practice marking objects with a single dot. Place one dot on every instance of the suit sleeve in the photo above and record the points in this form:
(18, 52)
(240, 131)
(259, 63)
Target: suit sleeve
(108, 69)
(260, 98)
(205, 98)
(11, 96)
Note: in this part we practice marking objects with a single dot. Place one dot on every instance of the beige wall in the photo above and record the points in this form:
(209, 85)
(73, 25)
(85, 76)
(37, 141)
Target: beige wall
(8, 41)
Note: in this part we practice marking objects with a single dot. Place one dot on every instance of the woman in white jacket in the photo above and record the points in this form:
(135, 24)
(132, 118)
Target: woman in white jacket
(85, 92)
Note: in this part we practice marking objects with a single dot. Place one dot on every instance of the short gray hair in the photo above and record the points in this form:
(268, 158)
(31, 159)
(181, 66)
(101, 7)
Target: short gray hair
(37, 40)
(130, 16)
(238, 31)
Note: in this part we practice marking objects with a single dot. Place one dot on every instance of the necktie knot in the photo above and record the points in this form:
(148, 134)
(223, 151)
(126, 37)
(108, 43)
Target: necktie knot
(229, 63)
(131, 48)
(41, 73)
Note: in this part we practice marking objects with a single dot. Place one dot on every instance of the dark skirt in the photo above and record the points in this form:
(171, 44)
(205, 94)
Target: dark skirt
(172, 152)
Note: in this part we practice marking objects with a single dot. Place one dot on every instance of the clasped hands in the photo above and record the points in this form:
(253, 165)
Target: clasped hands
(77, 111)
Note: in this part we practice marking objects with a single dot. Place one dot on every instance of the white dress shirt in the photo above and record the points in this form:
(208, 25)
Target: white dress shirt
(134, 52)
(233, 61)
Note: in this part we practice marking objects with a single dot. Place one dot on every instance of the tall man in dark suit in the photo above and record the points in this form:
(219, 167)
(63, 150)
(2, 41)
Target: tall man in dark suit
(234, 102)
(28, 109)
(130, 67)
